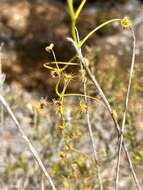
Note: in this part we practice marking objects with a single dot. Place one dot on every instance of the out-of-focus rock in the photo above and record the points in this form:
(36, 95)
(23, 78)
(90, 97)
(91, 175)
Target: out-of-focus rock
(26, 27)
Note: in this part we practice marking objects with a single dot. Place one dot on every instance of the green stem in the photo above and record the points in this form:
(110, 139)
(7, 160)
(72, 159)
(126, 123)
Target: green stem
(71, 9)
(79, 9)
(81, 43)
(73, 30)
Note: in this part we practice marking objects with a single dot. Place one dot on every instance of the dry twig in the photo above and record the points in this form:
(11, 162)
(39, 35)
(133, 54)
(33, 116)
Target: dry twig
(2, 80)
(124, 118)
(28, 142)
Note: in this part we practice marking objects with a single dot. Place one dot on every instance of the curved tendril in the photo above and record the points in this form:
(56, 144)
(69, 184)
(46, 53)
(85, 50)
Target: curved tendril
(48, 67)
(66, 66)
(60, 63)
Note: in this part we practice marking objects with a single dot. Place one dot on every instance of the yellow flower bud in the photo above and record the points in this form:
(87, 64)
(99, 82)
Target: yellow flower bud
(49, 48)
(126, 22)
(82, 106)
(62, 126)
(61, 110)
(68, 77)
(67, 147)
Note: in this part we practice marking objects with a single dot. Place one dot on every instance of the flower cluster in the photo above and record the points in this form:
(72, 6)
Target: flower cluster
(126, 22)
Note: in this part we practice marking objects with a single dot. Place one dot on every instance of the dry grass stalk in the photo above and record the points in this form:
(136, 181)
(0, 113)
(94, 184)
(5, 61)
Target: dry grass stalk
(28, 142)
(124, 118)
(2, 79)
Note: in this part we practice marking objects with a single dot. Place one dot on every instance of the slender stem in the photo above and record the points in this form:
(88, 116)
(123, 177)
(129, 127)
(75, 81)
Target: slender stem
(82, 42)
(2, 78)
(55, 60)
(28, 142)
(124, 117)
(1, 47)
(84, 79)
(92, 139)
(73, 19)
(73, 29)
(71, 9)
(79, 9)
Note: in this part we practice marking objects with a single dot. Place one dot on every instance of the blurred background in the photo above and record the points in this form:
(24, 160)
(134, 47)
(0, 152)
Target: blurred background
(26, 28)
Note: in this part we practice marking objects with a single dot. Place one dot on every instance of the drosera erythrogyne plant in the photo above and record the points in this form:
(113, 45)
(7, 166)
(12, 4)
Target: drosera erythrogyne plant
(58, 69)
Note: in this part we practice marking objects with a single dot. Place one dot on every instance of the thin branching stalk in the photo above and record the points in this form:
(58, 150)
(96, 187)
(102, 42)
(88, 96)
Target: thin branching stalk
(28, 142)
(2, 79)
(92, 139)
(84, 80)
(103, 97)
(1, 47)
(82, 42)
(79, 9)
(73, 18)
(124, 117)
